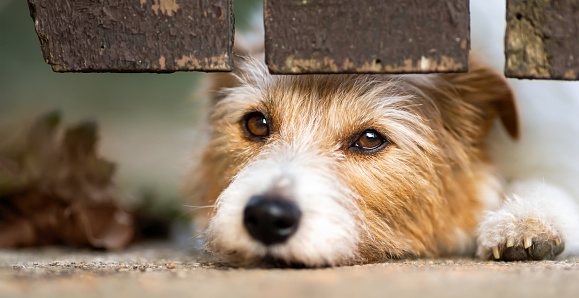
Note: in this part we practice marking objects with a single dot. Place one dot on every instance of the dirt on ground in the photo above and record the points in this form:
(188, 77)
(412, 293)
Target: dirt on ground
(160, 270)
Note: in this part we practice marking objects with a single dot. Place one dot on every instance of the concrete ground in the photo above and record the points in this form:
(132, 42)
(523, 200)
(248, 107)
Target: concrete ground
(157, 270)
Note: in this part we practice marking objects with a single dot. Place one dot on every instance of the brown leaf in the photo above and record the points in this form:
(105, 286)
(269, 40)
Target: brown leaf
(55, 189)
(10, 180)
(106, 226)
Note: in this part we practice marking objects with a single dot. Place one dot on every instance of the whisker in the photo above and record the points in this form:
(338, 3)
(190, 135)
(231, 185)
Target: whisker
(199, 207)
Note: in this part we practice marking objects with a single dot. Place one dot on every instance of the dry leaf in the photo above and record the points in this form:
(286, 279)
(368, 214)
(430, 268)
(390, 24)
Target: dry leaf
(54, 189)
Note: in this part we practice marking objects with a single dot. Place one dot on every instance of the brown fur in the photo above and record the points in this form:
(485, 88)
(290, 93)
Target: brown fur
(417, 194)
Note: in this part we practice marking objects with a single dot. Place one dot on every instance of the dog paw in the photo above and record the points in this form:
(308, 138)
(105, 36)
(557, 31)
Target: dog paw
(539, 250)
(515, 235)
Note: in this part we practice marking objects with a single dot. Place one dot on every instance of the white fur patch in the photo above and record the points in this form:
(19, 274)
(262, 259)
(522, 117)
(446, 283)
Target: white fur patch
(546, 152)
(534, 210)
(328, 232)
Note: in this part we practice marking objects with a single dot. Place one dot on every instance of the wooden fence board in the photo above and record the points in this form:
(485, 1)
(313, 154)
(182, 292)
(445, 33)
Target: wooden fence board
(367, 36)
(542, 39)
(135, 36)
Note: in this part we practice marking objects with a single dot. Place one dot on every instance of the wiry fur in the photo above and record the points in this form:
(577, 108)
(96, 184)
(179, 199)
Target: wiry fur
(432, 192)
(418, 197)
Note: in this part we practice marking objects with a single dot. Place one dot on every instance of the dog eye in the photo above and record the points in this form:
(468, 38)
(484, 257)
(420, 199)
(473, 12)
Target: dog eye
(370, 140)
(256, 125)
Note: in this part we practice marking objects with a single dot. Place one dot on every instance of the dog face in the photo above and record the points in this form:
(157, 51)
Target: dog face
(340, 169)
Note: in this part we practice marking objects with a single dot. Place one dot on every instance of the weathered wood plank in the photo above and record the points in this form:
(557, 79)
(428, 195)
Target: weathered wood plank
(542, 39)
(367, 36)
(135, 36)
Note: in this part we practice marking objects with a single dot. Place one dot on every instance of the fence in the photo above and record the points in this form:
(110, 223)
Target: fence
(302, 36)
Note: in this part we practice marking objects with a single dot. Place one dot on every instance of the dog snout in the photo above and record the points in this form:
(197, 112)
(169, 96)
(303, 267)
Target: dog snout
(271, 220)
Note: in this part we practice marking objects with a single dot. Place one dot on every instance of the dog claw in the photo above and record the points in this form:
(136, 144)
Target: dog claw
(496, 253)
(528, 242)
(510, 242)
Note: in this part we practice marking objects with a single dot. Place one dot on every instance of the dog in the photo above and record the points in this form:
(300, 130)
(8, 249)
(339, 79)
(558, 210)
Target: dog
(325, 170)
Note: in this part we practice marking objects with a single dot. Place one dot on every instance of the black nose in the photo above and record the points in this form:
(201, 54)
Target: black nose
(271, 220)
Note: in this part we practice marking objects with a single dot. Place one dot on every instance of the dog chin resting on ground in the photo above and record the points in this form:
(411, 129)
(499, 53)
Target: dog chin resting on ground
(321, 170)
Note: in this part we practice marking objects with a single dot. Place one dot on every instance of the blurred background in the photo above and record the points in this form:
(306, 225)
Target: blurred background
(147, 122)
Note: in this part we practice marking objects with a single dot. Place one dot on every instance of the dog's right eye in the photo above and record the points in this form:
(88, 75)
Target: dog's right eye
(256, 125)
(370, 141)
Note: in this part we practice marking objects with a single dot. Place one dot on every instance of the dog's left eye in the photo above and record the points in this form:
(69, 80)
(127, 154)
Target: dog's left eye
(370, 140)
(256, 125)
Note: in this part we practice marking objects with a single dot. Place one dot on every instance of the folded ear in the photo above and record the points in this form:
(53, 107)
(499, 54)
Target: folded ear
(487, 89)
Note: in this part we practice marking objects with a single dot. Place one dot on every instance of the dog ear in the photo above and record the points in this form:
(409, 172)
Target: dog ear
(488, 90)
